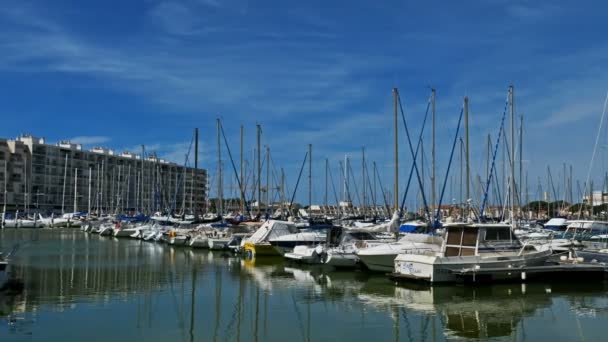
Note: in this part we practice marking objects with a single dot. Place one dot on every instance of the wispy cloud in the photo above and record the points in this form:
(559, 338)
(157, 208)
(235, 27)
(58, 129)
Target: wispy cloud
(196, 78)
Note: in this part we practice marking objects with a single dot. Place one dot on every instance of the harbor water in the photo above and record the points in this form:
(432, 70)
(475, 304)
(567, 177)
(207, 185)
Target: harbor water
(80, 287)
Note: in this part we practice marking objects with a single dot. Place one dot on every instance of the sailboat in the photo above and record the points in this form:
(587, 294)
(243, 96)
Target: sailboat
(474, 249)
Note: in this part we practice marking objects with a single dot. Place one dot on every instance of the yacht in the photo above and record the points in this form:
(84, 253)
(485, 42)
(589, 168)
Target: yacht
(468, 249)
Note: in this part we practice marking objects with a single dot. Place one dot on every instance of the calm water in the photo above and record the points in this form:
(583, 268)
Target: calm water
(90, 288)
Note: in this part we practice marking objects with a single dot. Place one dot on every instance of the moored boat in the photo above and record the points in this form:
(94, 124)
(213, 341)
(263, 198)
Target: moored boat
(469, 248)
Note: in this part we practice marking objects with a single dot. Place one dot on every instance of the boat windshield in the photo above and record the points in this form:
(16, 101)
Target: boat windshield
(498, 234)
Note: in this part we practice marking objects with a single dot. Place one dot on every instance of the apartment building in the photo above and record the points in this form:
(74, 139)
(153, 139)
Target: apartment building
(64, 177)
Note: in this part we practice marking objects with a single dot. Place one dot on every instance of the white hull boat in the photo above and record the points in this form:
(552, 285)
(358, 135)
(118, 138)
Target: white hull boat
(106, 230)
(218, 243)
(199, 241)
(286, 243)
(381, 258)
(467, 250)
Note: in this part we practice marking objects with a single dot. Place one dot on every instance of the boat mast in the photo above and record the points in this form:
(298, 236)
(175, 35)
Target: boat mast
(141, 180)
(326, 180)
(194, 208)
(310, 180)
(259, 130)
(101, 188)
(375, 193)
(433, 194)
(461, 201)
(282, 192)
(512, 183)
(521, 162)
(466, 146)
(268, 179)
(128, 187)
(242, 182)
(65, 175)
(363, 173)
(89, 204)
(396, 190)
(75, 190)
(219, 172)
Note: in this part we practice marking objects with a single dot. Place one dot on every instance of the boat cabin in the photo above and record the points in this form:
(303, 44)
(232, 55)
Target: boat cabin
(585, 229)
(339, 236)
(465, 239)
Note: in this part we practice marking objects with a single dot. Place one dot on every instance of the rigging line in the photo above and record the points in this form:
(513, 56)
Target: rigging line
(354, 184)
(333, 185)
(180, 178)
(234, 167)
(371, 190)
(388, 209)
(407, 134)
(293, 196)
(597, 138)
(551, 183)
(409, 180)
(493, 167)
(447, 173)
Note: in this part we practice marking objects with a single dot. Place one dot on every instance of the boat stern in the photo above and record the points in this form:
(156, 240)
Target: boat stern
(415, 267)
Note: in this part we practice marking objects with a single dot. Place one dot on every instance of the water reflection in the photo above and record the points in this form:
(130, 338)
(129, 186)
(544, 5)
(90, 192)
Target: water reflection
(157, 292)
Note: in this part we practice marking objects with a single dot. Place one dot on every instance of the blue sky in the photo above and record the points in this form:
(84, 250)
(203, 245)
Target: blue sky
(125, 73)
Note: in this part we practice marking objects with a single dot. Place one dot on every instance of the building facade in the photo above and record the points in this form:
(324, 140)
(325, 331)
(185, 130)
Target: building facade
(65, 178)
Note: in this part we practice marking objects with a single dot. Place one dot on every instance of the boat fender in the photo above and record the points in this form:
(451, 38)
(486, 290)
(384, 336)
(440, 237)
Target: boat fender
(319, 249)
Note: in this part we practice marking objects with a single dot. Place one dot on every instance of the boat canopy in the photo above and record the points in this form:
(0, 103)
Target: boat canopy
(273, 229)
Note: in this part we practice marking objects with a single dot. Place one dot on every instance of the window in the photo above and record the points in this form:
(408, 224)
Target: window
(494, 234)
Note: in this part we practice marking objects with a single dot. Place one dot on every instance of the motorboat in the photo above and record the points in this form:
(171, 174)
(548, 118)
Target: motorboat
(258, 244)
(219, 243)
(381, 257)
(469, 249)
(593, 255)
(286, 243)
(129, 231)
(338, 251)
(575, 234)
(199, 240)
(106, 229)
